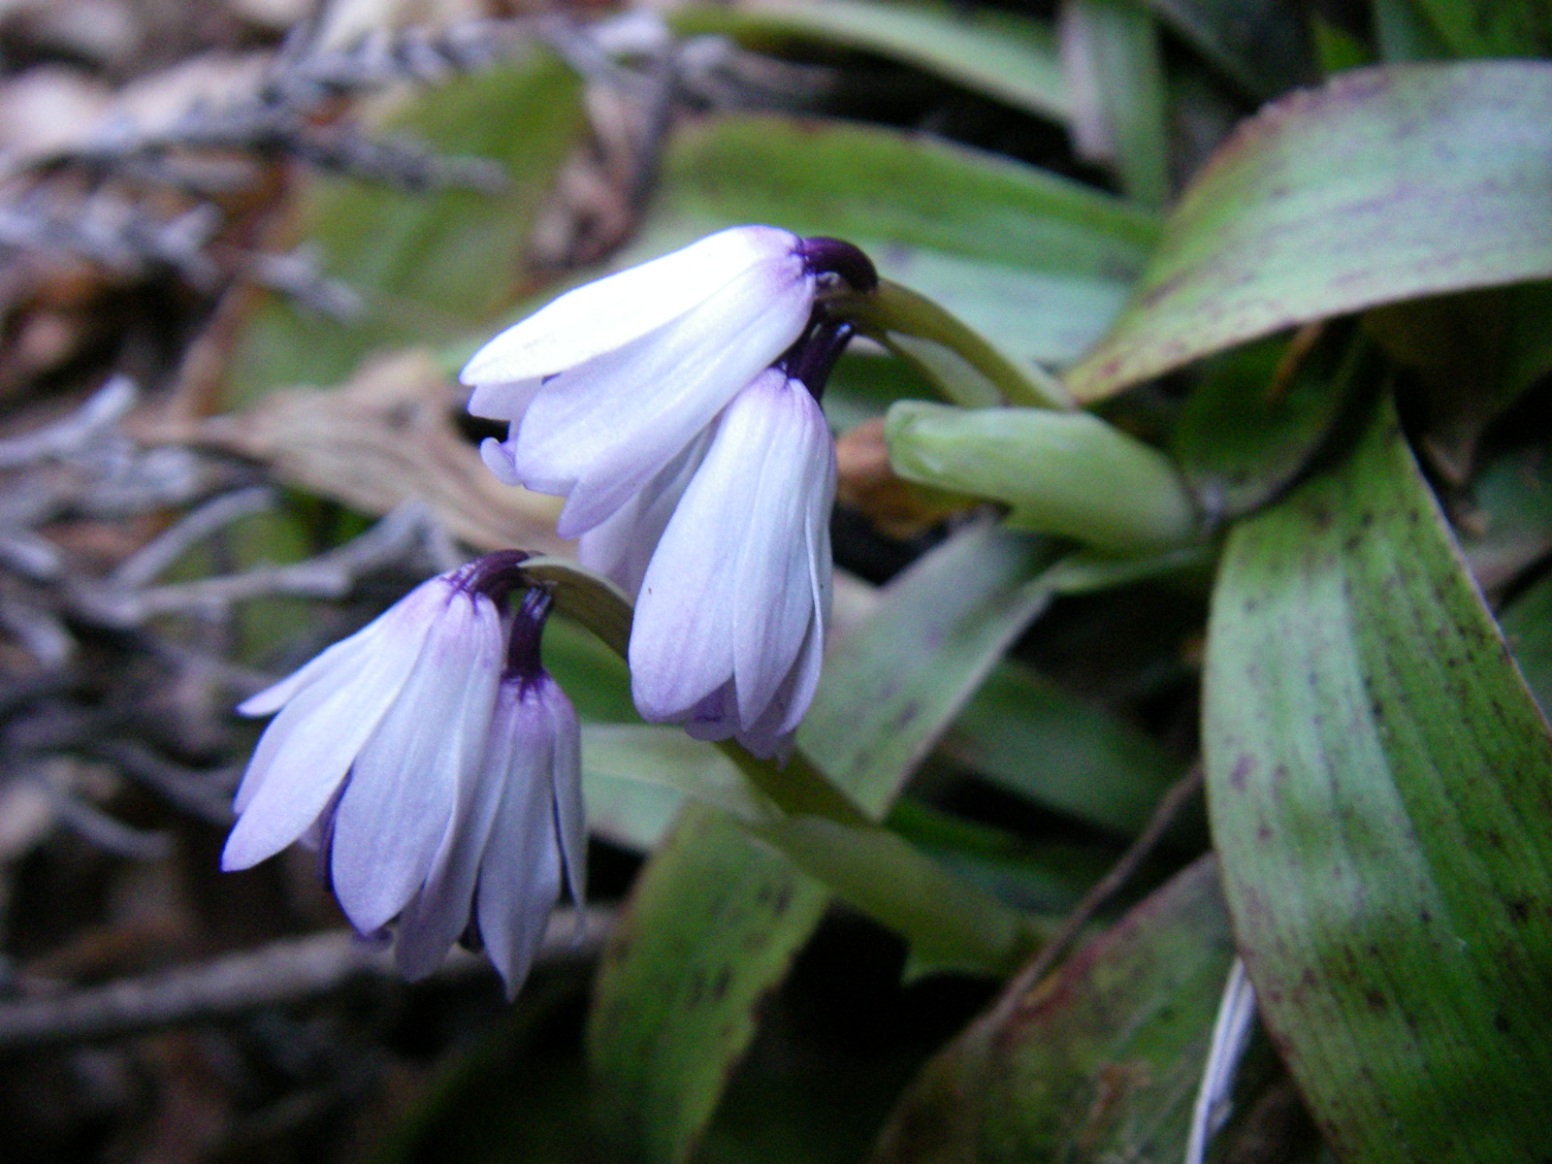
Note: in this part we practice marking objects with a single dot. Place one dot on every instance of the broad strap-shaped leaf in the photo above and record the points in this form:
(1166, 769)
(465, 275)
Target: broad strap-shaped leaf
(1005, 56)
(1387, 183)
(715, 918)
(1380, 785)
(1038, 264)
(1099, 1062)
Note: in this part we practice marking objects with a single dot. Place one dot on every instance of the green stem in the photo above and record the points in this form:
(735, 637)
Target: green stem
(949, 921)
(969, 370)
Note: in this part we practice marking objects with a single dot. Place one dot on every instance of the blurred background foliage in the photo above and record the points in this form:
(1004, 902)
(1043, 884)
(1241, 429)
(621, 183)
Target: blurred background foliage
(1228, 681)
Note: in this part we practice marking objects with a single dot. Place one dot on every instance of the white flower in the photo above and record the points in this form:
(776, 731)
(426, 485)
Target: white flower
(730, 618)
(608, 384)
(438, 771)
(674, 406)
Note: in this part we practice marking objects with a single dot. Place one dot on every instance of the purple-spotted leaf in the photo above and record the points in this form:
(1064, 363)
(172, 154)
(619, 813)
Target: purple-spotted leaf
(1380, 785)
(1385, 184)
(1101, 1061)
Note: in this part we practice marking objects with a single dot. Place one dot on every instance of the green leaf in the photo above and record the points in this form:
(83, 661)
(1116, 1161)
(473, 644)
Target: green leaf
(1111, 53)
(1044, 876)
(1260, 44)
(1038, 264)
(1511, 527)
(1026, 735)
(1385, 184)
(1101, 1062)
(1492, 28)
(1403, 33)
(1475, 353)
(429, 266)
(1378, 780)
(715, 918)
(1249, 428)
(1007, 57)
(1527, 626)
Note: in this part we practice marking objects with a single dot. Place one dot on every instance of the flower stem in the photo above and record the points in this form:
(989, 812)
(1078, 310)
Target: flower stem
(967, 368)
(949, 921)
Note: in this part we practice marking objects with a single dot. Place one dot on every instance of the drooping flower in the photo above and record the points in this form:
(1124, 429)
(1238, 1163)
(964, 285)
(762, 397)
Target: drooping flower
(607, 385)
(674, 406)
(731, 613)
(436, 765)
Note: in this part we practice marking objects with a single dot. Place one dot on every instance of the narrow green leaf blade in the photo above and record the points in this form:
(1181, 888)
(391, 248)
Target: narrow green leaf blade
(716, 918)
(1100, 1062)
(1011, 58)
(1110, 49)
(1380, 785)
(1386, 184)
(1028, 736)
(1261, 44)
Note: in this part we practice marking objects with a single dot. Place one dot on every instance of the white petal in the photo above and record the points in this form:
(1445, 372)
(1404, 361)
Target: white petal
(306, 751)
(403, 789)
(607, 314)
(620, 547)
(566, 771)
(783, 442)
(732, 591)
(439, 914)
(497, 456)
(520, 875)
(407, 620)
(681, 644)
(599, 433)
(503, 399)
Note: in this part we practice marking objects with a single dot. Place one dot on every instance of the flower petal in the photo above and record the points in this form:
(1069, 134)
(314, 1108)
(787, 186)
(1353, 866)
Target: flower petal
(503, 399)
(400, 801)
(620, 547)
(732, 591)
(439, 914)
(404, 624)
(308, 748)
(607, 314)
(783, 442)
(520, 874)
(566, 777)
(598, 433)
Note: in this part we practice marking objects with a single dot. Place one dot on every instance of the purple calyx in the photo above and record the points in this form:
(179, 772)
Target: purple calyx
(497, 576)
(812, 358)
(833, 256)
(523, 665)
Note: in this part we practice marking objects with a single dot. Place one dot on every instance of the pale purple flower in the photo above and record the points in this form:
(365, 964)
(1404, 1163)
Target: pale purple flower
(731, 613)
(674, 406)
(436, 765)
(607, 385)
